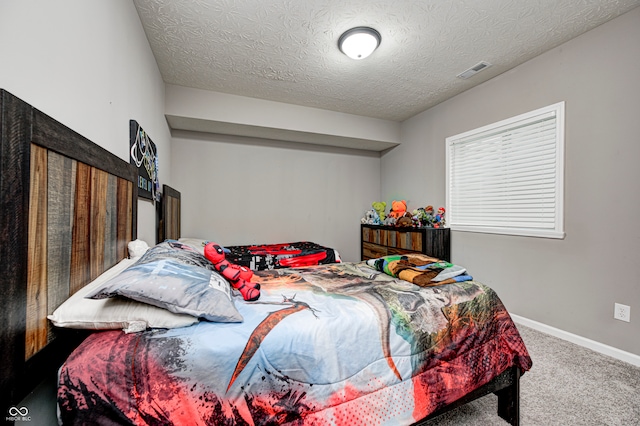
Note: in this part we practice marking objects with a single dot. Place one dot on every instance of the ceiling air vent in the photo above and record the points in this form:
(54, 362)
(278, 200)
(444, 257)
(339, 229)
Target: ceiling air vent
(474, 69)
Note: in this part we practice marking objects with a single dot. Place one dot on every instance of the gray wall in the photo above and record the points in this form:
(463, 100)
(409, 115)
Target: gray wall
(569, 284)
(88, 65)
(238, 190)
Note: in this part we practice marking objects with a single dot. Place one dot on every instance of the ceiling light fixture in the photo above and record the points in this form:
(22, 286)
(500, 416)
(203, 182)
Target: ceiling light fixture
(359, 42)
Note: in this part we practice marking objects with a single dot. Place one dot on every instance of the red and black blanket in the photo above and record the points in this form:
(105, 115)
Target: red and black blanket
(284, 255)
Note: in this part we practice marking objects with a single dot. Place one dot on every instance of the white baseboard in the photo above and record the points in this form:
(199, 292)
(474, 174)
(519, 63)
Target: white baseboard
(579, 340)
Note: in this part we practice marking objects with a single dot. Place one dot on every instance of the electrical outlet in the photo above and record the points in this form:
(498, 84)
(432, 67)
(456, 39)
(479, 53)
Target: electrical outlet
(622, 312)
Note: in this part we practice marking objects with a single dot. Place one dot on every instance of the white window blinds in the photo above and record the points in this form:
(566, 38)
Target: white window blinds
(507, 177)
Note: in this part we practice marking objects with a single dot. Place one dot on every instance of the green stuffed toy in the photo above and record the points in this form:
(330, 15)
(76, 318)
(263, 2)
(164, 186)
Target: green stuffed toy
(379, 207)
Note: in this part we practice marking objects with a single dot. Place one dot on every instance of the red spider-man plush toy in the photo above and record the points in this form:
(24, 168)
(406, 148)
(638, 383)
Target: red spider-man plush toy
(238, 276)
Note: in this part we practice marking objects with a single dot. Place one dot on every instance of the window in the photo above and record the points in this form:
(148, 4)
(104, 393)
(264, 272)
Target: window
(507, 177)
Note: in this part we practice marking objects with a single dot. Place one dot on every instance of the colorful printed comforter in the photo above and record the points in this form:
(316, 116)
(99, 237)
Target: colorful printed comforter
(285, 255)
(338, 344)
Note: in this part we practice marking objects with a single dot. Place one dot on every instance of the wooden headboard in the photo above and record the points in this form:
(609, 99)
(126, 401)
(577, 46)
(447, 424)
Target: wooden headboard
(68, 210)
(168, 226)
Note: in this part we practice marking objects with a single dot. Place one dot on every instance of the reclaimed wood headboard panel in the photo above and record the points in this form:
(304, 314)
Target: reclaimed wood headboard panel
(169, 218)
(68, 210)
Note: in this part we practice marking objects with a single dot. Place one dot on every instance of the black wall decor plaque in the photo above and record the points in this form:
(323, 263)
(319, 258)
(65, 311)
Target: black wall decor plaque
(144, 155)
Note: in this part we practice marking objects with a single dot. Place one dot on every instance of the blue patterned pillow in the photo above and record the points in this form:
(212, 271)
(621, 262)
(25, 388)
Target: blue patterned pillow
(177, 278)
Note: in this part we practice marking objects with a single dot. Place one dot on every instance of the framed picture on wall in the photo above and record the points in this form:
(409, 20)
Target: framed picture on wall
(144, 155)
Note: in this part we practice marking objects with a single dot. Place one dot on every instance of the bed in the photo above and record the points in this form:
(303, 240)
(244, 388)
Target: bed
(253, 256)
(338, 343)
(258, 257)
(68, 212)
(168, 218)
(281, 255)
(329, 344)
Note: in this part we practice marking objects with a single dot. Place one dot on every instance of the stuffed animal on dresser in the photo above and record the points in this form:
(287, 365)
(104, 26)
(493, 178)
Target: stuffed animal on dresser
(379, 207)
(398, 209)
(371, 218)
(405, 220)
(439, 220)
(389, 221)
(423, 216)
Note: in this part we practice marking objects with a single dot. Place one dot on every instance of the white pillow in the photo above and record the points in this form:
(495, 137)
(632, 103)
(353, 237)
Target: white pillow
(114, 313)
(137, 248)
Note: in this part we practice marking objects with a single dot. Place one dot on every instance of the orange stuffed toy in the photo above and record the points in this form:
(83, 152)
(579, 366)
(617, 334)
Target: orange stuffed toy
(398, 209)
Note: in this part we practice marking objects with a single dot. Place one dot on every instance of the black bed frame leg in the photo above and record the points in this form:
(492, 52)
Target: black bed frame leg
(509, 400)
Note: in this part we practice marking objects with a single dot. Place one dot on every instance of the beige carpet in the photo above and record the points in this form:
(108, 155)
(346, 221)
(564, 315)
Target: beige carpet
(567, 385)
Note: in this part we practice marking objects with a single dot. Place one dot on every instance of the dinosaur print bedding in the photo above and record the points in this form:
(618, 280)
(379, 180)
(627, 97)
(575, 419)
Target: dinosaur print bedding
(336, 344)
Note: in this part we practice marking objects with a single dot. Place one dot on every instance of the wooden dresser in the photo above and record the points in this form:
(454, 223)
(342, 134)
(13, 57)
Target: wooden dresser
(377, 241)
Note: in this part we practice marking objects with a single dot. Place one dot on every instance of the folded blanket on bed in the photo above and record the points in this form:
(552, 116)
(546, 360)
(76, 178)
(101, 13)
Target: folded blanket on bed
(420, 269)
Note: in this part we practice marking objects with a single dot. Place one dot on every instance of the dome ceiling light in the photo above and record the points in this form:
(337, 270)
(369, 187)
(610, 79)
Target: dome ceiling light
(359, 42)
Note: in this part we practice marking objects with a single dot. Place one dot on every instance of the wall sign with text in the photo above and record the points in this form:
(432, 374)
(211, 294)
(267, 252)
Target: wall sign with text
(144, 155)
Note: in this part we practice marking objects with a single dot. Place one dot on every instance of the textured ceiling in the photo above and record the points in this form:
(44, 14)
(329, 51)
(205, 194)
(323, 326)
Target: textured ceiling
(286, 50)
